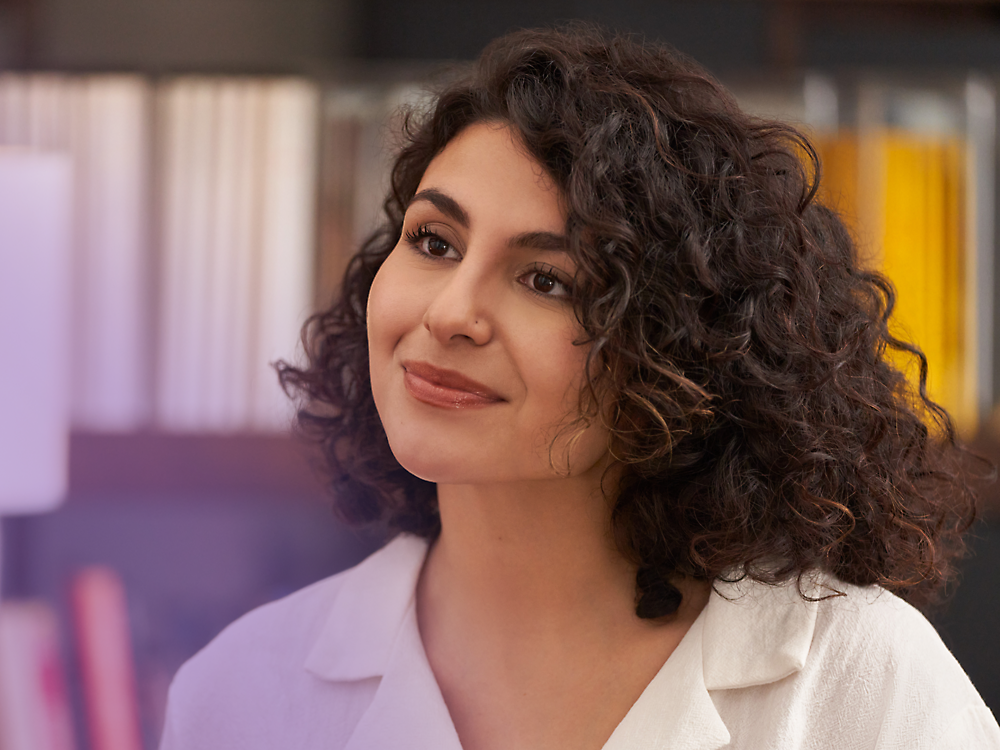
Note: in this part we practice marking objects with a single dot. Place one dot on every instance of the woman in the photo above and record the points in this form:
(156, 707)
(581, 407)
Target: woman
(621, 384)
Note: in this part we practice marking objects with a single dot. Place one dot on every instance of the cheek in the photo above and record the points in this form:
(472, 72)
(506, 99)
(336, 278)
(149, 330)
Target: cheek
(556, 369)
(553, 371)
(391, 309)
(557, 373)
(386, 317)
(376, 312)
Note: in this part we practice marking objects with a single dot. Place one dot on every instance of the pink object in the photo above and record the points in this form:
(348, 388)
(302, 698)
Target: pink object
(107, 666)
(34, 709)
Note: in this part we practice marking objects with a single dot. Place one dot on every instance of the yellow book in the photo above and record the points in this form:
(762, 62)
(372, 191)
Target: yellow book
(903, 243)
(935, 313)
(902, 194)
(923, 253)
(961, 354)
(838, 187)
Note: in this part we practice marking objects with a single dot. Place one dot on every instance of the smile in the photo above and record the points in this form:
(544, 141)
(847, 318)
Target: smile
(446, 388)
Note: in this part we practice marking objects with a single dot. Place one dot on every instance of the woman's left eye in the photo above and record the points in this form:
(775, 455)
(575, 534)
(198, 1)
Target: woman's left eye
(426, 242)
(545, 283)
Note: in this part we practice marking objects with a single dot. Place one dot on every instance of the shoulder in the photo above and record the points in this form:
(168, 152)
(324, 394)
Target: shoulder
(888, 662)
(866, 670)
(253, 679)
(872, 620)
(226, 694)
(872, 634)
(283, 632)
(276, 633)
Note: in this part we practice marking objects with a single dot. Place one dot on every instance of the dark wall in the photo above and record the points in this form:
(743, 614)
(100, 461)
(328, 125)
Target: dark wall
(724, 35)
(266, 36)
(716, 32)
(301, 35)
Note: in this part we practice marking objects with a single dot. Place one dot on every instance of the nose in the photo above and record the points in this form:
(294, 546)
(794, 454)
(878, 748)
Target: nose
(459, 309)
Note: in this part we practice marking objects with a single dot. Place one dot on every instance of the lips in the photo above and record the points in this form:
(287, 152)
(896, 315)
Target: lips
(437, 386)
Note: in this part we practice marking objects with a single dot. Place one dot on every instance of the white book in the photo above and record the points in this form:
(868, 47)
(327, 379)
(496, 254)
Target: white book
(113, 301)
(187, 111)
(198, 184)
(171, 121)
(223, 311)
(288, 238)
(173, 125)
(47, 111)
(35, 217)
(13, 109)
(244, 273)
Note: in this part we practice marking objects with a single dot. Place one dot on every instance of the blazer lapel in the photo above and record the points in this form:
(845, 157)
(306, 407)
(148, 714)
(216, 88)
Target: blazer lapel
(748, 634)
(408, 710)
(372, 632)
(675, 711)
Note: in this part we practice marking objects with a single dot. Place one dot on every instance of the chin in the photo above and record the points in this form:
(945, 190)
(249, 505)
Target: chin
(428, 462)
(442, 466)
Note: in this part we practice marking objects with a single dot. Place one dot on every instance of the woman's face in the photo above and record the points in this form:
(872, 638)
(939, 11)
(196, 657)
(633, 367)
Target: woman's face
(471, 325)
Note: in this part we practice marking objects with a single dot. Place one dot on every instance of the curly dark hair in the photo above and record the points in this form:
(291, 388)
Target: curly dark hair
(759, 427)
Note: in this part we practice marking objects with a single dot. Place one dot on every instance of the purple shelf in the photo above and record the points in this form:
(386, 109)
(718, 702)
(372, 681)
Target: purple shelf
(151, 462)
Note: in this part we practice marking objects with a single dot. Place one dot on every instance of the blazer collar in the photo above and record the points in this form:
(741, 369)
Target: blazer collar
(372, 631)
(675, 711)
(755, 634)
(368, 613)
(748, 634)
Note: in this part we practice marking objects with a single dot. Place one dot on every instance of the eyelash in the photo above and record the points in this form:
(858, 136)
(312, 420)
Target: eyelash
(414, 237)
(420, 233)
(550, 272)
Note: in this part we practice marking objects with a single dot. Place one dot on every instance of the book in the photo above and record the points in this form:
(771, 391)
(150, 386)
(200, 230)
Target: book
(185, 111)
(110, 143)
(34, 708)
(107, 663)
(222, 258)
(101, 122)
(288, 241)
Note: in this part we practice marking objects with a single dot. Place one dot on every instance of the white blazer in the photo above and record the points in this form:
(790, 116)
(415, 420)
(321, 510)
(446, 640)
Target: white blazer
(340, 665)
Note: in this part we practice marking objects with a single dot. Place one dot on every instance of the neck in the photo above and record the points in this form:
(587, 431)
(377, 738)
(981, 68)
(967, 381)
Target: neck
(527, 615)
(529, 553)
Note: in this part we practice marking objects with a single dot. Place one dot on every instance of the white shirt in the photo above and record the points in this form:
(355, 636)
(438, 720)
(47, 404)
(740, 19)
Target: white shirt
(340, 665)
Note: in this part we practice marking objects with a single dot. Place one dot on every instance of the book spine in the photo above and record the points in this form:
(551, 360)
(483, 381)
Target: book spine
(107, 667)
(111, 360)
(34, 708)
(288, 240)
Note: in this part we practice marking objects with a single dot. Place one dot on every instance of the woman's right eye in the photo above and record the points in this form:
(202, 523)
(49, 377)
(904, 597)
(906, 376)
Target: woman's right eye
(436, 246)
(428, 243)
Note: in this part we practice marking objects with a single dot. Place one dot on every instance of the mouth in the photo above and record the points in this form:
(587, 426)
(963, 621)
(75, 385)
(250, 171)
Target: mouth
(437, 386)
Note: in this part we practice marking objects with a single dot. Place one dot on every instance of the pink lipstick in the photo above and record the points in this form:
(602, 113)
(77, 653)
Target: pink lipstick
(437, 386)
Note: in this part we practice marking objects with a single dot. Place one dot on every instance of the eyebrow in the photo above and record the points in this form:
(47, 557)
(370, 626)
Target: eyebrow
(443, 203)
(544, 241)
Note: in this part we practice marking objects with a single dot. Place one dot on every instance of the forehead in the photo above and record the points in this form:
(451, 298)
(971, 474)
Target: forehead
(490, 174)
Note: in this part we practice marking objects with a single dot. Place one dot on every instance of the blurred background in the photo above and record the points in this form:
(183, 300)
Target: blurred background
(183, 181)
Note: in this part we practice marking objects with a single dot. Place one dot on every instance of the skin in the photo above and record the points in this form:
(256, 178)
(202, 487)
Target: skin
(525, 607)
